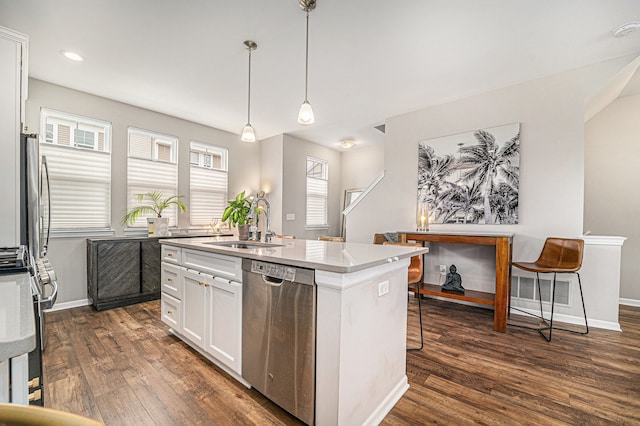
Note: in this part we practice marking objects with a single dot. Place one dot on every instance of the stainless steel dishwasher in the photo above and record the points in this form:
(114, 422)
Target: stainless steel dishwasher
(279, 334)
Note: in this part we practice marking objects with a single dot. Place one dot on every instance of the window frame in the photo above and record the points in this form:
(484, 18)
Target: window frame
(93, 125)
(86, 124)
(157, 138)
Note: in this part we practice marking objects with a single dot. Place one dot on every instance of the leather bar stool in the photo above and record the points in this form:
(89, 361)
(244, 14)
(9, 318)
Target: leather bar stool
(31, 415)
(558, 256)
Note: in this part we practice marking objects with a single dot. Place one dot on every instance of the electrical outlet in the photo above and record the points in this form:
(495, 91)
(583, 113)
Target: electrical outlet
(291, 216)
(383, 288)
(443, 269)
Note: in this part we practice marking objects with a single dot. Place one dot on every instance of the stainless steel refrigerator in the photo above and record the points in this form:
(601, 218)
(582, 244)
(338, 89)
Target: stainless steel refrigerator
(35, 221)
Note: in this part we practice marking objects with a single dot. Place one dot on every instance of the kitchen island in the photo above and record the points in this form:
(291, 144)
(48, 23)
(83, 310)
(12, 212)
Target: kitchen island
(360, 315)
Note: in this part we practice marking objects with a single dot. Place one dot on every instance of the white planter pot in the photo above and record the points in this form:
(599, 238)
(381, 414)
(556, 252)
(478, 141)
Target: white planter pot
(158, 226)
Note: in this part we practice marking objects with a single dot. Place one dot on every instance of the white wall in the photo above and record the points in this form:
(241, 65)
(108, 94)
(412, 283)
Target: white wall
(294, 187)
(67, 255)
(551, 164)
(360, 166)
(551, 112)
(271, 158)
(612, 179)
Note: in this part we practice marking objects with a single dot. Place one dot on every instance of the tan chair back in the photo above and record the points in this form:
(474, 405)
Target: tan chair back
(335, 239)
(415, 267)
(562, 254)
(379, 239)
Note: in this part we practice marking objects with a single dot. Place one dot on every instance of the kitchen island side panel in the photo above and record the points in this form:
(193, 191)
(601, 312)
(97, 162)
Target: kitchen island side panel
(361, 344)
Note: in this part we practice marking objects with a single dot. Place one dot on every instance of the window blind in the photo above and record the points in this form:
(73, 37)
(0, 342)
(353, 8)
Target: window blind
(152, 166)
(208, 183)
(208, 197)
(317, 192)
(80, 185)
(147, 176)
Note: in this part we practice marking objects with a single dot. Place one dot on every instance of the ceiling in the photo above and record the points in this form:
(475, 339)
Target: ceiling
(368, 59)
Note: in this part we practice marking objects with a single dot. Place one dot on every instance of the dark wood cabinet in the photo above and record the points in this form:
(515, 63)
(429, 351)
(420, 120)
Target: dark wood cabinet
(122, 271)
(150, 258)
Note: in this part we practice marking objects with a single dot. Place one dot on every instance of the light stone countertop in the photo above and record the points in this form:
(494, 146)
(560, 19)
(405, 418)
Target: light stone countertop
(17, 321)
(320, 255)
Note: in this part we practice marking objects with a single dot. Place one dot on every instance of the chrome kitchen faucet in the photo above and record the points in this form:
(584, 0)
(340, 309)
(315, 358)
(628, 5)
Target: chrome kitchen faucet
(253, 230)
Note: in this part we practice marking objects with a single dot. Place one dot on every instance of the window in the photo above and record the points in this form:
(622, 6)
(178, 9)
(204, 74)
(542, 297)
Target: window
(152, 166)
(317, 192)
(78, 152)
(208, 182)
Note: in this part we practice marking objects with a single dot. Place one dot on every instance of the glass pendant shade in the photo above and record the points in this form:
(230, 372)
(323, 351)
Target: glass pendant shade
(248, 134)
(305, 115)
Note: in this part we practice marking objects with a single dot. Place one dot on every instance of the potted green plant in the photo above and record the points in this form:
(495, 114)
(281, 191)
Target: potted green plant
(154, 202)
(237, 213)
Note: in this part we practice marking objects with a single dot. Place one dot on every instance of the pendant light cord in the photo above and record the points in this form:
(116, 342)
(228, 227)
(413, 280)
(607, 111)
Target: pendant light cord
(249, 92)
(306, 70)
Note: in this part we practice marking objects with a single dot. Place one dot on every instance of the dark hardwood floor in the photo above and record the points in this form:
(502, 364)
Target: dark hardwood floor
(122, 367)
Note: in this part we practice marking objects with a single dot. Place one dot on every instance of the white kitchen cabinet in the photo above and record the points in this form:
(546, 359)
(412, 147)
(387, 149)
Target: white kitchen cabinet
(171, 309)
(13, 93)
(225, 322)
(171, 254)
(170, 280)
(218, 265)
(194, 302)
(202, 303)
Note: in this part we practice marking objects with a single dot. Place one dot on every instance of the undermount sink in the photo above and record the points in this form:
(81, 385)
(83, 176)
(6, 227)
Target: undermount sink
(243, 244)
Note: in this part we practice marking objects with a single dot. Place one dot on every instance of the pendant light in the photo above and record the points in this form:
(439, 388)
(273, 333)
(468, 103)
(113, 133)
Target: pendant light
(248, 134)
(305, 115)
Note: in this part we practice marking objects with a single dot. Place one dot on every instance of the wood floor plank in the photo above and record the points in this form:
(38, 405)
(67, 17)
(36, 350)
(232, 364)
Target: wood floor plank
(123, 367)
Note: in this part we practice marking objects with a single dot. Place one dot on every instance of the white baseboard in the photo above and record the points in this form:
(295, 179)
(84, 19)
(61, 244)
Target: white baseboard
(388, 403)
(571, 319)
(69, 305)
(630, 302)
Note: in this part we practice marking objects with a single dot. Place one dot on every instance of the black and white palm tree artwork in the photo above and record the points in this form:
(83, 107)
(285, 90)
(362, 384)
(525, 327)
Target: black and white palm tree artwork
(471, 177)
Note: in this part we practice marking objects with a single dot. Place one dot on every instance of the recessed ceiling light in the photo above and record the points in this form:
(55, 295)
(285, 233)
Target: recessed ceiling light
(626, 29)
(347, 144)
(72, 55)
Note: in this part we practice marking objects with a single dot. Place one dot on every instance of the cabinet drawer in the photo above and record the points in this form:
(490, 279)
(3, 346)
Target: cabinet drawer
(171, 254)
(171, 312)
(215, 264)
(171, 280)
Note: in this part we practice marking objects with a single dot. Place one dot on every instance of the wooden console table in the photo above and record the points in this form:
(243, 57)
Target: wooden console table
(503, 244)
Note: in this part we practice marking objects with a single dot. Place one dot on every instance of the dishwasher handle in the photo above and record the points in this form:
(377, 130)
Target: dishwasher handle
(272, 281)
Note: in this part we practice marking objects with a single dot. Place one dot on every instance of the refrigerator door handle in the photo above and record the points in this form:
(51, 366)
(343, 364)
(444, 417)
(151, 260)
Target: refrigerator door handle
(45, 175)
(48, 302)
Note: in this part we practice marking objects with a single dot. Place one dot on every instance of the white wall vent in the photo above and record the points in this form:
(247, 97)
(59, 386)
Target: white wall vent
(525, 288)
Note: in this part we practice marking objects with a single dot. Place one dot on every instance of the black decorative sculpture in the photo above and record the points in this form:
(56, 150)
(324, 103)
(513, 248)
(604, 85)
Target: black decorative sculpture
(453, 281)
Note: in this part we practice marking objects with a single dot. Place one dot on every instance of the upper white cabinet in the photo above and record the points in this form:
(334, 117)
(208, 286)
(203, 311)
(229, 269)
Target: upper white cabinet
(13, 93)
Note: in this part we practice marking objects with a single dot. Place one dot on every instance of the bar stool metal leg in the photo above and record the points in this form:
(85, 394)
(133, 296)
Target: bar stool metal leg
(420, 317)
